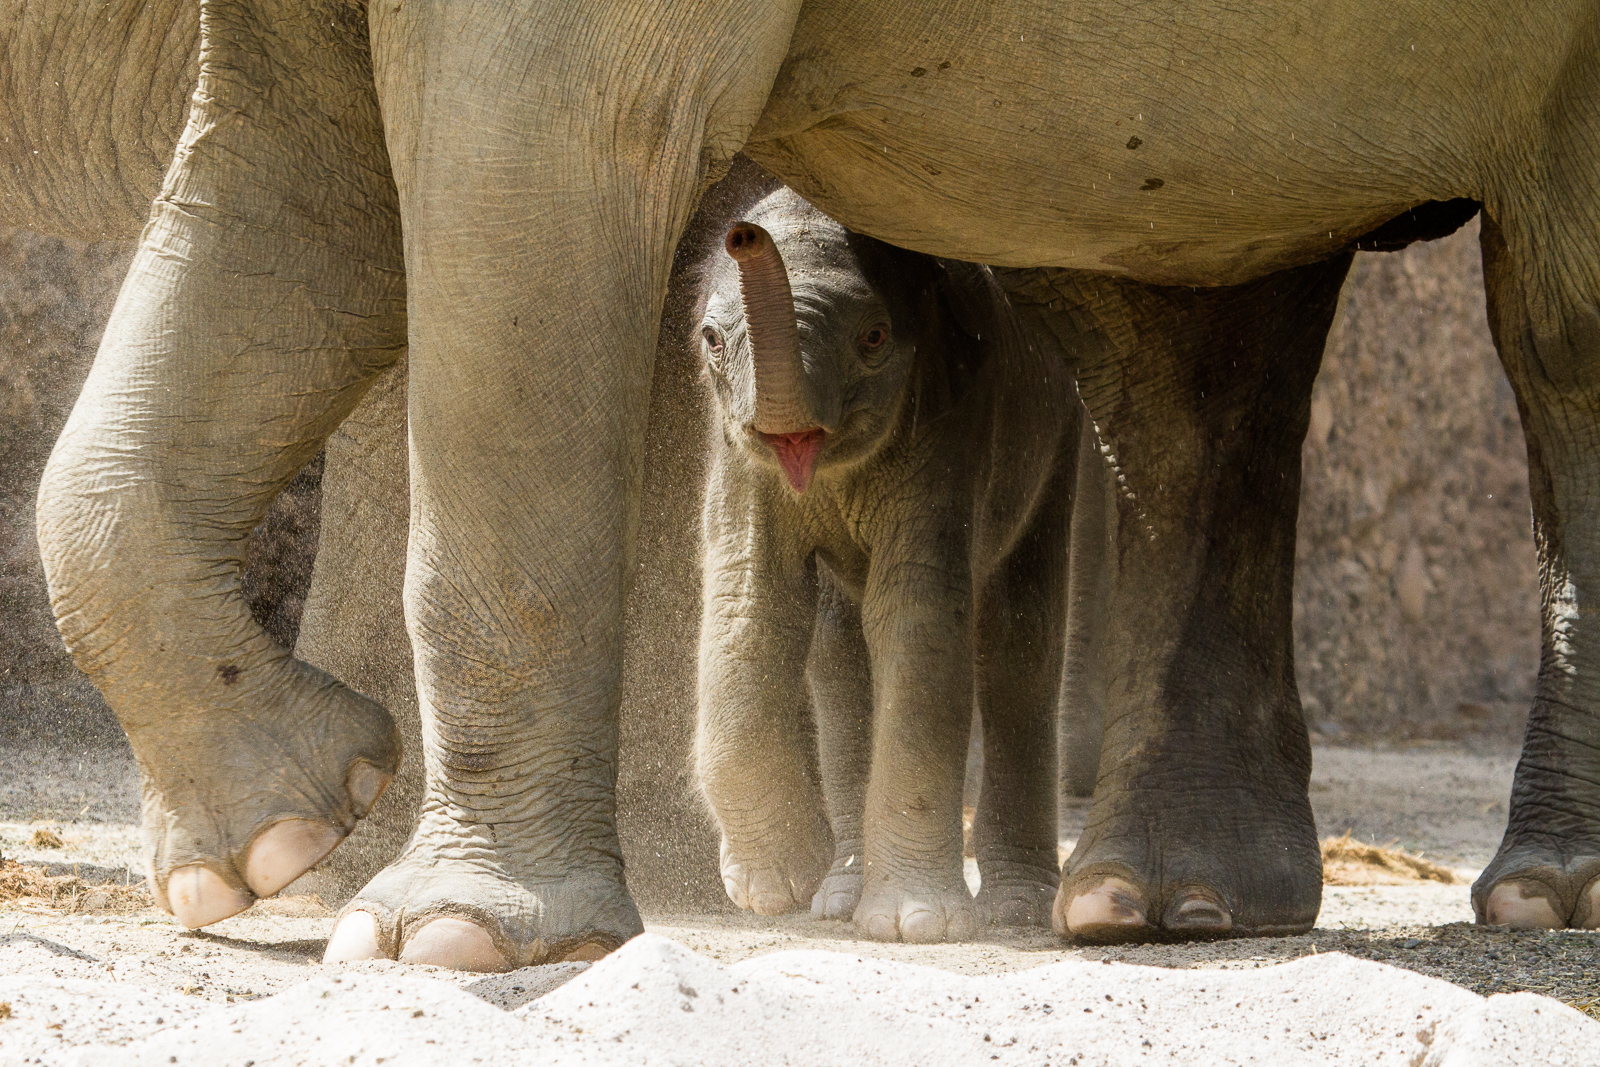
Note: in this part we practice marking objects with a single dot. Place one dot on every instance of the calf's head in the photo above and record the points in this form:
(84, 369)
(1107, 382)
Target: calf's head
(801, 345)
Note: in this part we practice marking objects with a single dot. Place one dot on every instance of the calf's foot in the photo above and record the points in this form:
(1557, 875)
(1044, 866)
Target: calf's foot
(773, 880)
(840, 891)
(917, 909)
(465, 903)
(1017, 893)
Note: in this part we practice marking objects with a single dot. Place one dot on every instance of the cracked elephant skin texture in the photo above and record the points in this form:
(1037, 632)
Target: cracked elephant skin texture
(927, 519)
(497, 190)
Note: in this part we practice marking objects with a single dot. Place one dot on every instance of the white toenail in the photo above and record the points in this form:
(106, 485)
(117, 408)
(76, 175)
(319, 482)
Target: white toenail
(454, 943)
(366, 784)
(355, 938)
(198, 897)
(1509, 904)
(1114, 902)
(286, 850)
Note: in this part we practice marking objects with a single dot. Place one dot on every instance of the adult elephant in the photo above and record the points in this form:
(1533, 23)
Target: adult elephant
(501, 185)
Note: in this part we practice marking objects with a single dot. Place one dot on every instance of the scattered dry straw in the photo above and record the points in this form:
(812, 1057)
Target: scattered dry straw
(24, 886)
(46, 839)
(1349, 862)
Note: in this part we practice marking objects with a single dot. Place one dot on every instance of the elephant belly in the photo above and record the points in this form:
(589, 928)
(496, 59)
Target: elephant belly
(1179, 144)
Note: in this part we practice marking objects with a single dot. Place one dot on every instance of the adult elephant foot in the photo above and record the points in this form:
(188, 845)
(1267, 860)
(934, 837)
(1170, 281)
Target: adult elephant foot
(1150, 866)
(237, 806)
(469, 904)
(1541, 885)
(918, 911)
(1017, 894)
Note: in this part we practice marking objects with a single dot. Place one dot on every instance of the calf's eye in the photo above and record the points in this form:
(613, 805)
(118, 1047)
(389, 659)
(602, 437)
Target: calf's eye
(875, 338)
(713, 341)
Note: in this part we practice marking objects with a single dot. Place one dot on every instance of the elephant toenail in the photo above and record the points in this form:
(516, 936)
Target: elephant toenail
(586, 953)
(1111, 910)
(366, 784)
(199, 897)
(355, 938)
(454, 943)
(1197, 911)
(1521, 905)
(286, 850)
(1589, 905)
(922, 927)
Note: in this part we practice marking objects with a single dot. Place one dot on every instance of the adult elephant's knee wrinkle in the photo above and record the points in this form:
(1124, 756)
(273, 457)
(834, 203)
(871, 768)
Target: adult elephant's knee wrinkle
(1521, 906)
(286, 850)
(1197, 912)
(1111, 910)
(198, 897)
(366, 783)
(355, 938)
(454, 943)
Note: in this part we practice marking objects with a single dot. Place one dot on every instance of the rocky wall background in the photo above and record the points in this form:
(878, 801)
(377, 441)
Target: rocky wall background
(1416, 591)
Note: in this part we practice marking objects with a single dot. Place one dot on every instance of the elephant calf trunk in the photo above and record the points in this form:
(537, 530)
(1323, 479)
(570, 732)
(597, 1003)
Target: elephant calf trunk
(782, 419)
(774, 336)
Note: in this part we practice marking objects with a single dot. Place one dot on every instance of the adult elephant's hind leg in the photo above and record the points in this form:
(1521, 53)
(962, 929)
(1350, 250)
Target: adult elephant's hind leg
(547, 157)
(1201, 823)
(266, 294)
(1547, 326)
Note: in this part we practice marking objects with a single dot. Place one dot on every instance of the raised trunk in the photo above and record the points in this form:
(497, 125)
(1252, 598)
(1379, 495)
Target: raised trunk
(781, 407)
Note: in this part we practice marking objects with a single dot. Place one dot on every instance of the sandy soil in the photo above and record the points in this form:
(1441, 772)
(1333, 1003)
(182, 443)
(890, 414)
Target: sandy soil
(1443, 802)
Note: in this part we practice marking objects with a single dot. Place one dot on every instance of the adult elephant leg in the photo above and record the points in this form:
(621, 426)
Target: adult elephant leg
(266, 294)
(548, 158)
(1083, 680)
(353, 625)
(839, 675)
(1546, 324)
(1201, 823)
(1019, 630)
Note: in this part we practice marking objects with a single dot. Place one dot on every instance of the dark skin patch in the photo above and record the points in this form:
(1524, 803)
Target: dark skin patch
(1151, 183)
(229, 673)
(917, 72)
(1134, 142)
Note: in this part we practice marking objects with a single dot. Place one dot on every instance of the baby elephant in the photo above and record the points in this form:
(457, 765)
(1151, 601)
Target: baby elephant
(886, 518)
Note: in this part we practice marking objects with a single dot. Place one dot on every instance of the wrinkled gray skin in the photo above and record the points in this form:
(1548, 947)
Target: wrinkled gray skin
(498, 188)
(929, 528)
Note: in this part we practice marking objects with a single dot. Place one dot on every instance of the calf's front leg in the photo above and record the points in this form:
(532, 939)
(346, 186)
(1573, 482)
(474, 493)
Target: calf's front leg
(754, 749)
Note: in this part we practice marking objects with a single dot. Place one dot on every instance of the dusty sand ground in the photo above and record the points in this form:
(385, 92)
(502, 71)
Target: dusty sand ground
(1445, 803)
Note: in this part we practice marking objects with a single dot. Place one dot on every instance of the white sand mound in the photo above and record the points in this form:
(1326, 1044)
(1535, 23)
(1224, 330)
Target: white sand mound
(654, 1002)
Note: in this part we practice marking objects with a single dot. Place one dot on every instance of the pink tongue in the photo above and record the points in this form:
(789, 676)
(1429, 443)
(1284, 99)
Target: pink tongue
(797, 454)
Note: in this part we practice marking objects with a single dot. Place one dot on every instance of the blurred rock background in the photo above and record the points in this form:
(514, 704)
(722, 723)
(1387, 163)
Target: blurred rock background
(1416, 609)
(1416, 589)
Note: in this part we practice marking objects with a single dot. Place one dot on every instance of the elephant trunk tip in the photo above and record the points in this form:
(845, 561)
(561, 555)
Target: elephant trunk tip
(746, 241)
